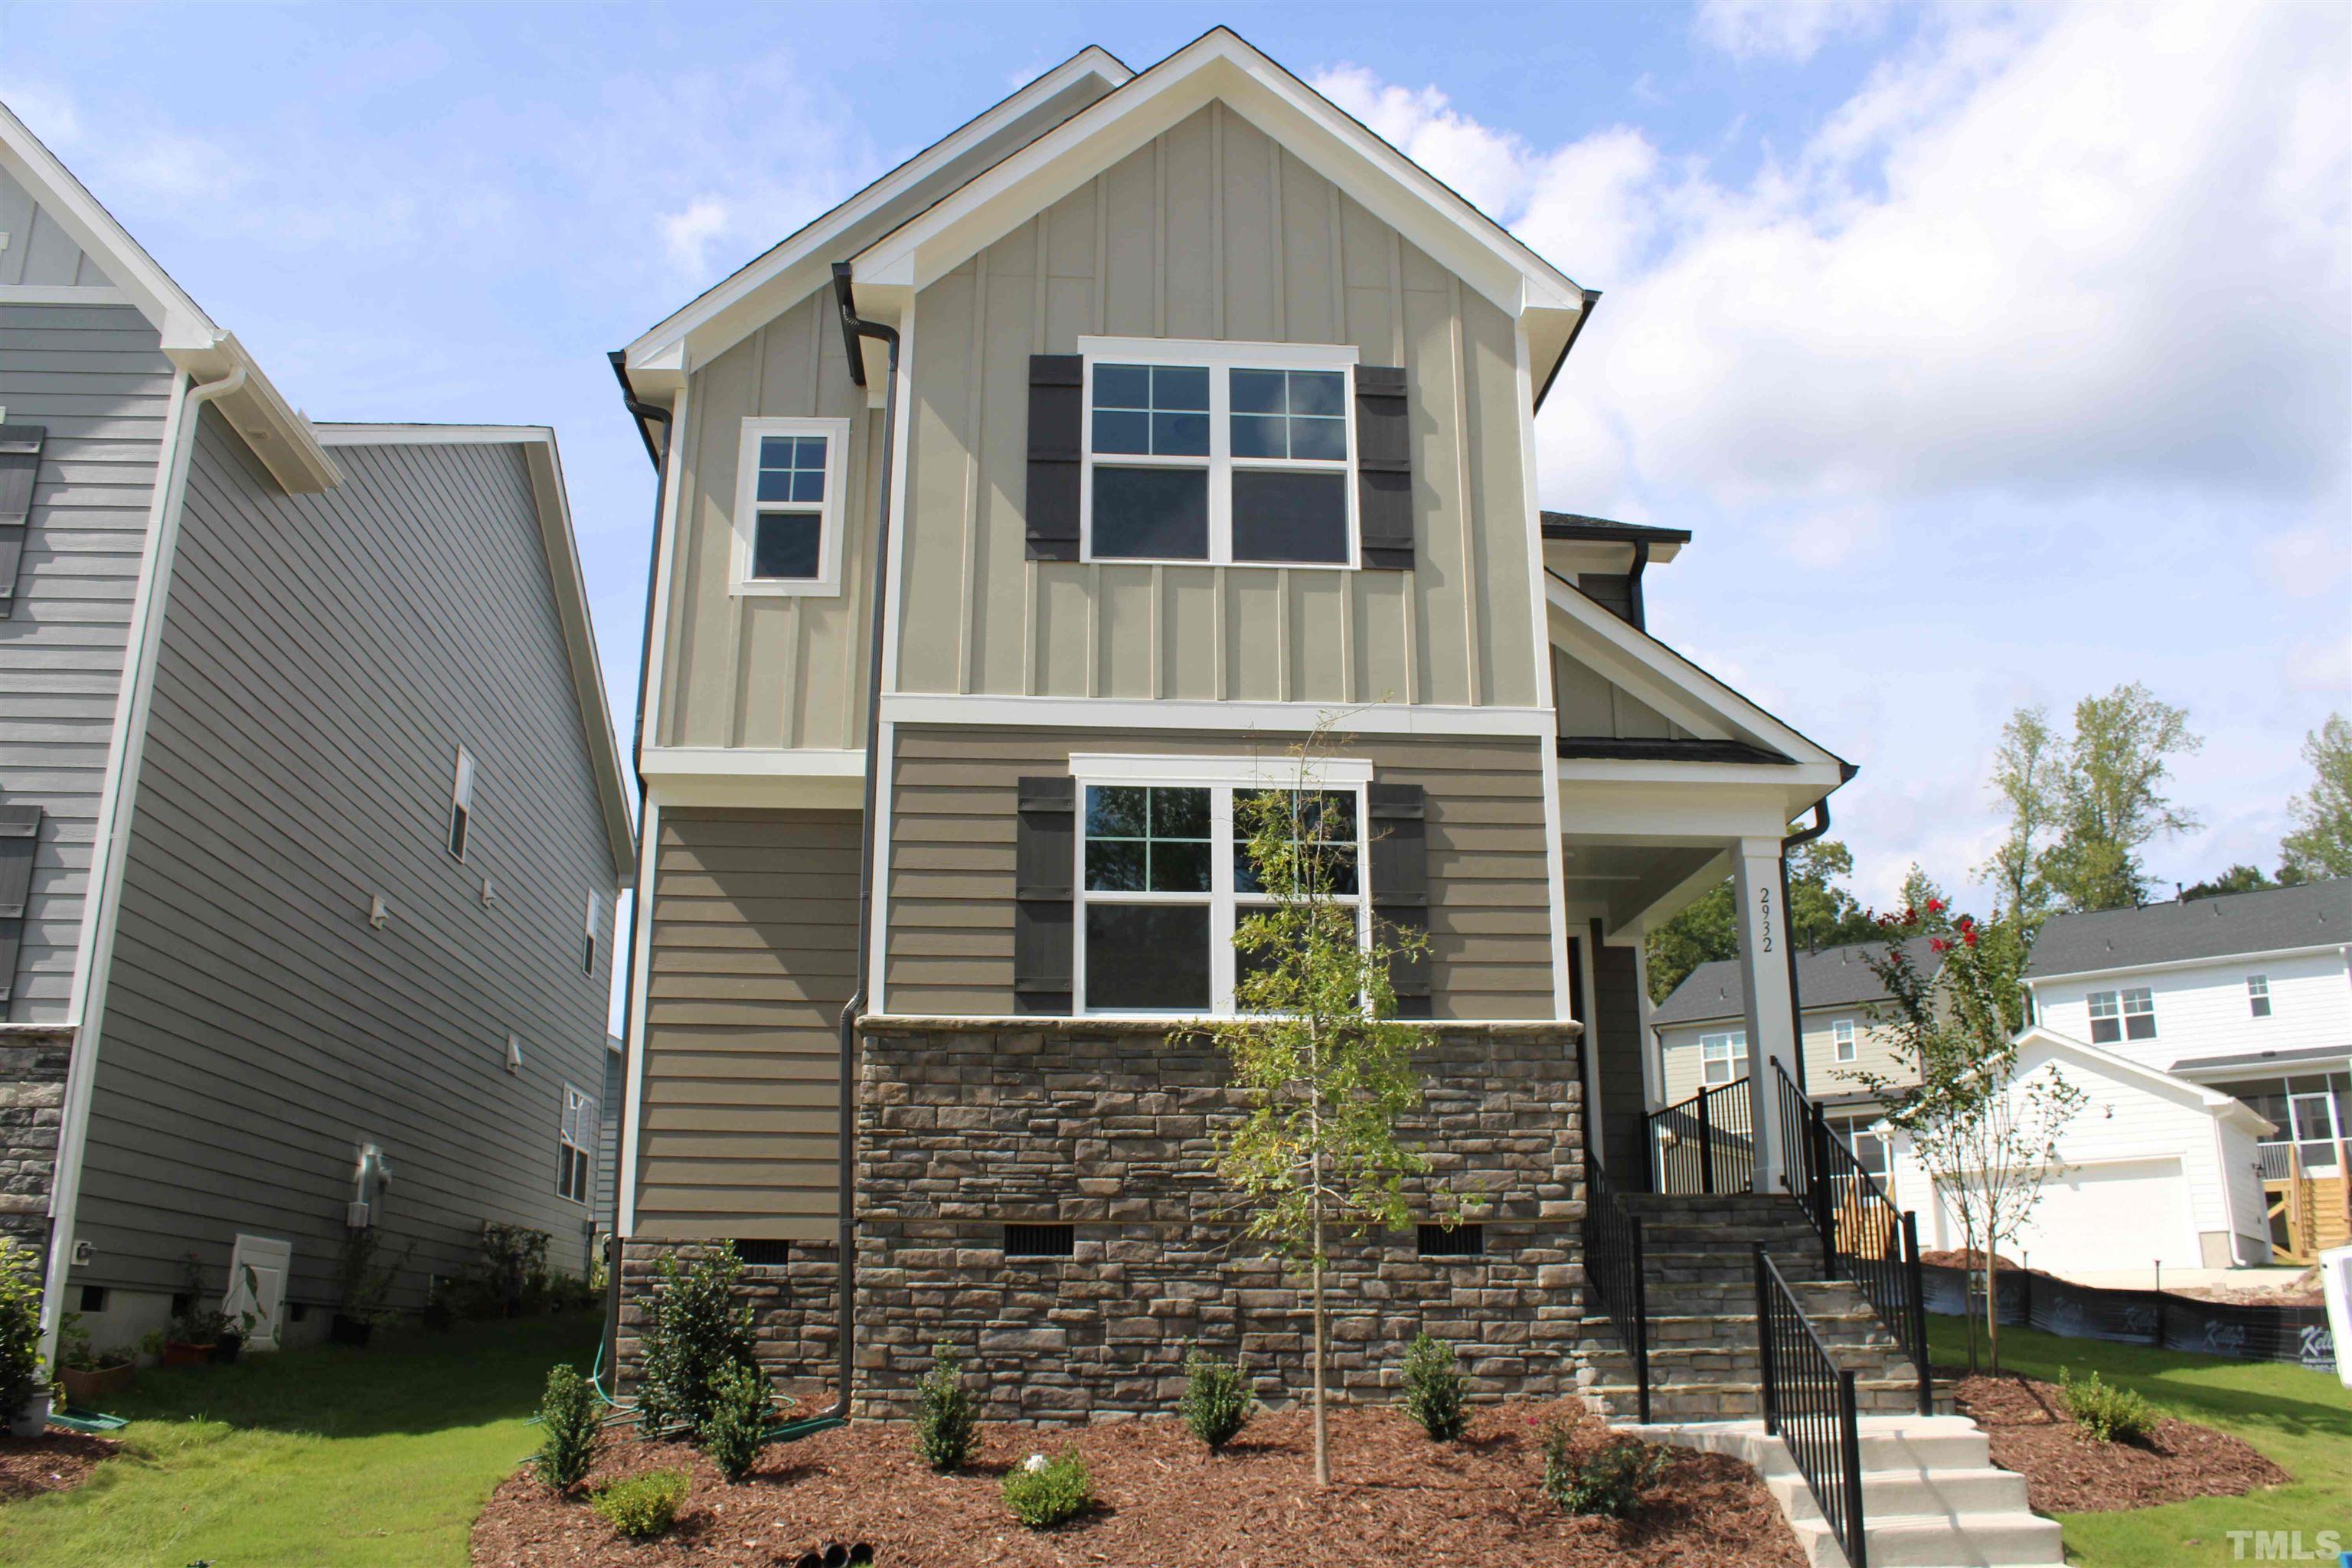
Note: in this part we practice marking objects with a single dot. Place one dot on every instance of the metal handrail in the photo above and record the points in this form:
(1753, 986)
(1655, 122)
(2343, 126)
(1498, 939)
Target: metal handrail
(1614, 1264)
(1864, 1237)
(1808, 1404)
(1706, 1143)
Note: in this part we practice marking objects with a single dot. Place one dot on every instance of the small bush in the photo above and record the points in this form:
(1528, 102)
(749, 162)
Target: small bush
(1217, 1401)
(20, 1327)
(1043, 1495)
(693, 1331)
(2109, 1414)
(642, 1507)
(1609, 1484)
(1436, 1393)
(737, 1427)
(947, 1420)
(568, 1418)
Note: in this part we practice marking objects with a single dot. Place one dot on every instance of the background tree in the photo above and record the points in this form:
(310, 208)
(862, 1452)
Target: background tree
(2025, 772)
(2236, 879)
(2111, 797)
(2321, 844)
(1821, 914)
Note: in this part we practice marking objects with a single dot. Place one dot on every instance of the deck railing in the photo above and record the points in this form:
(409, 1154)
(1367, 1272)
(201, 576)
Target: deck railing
(1613, 1266)
(1808, 1404)
(1706, 1143)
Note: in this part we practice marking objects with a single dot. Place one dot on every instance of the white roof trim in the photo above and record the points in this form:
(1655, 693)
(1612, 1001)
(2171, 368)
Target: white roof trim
(1221, 65)
(337, 434)
(2223, 1107)
(277, 433)
(662, 346)
(2218, 960)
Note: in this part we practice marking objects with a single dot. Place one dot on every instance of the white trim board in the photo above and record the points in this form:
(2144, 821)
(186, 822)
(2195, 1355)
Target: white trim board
(1173, 714)
(1238, 772)
(2219, 960)
(65, 294)
(421, 434)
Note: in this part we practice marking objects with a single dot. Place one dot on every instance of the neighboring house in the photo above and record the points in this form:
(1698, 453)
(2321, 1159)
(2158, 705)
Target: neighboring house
(311, 821)
(1701, 1036)
(1191, 416)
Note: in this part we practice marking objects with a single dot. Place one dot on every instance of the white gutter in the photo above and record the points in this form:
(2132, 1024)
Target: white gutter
(109, 851)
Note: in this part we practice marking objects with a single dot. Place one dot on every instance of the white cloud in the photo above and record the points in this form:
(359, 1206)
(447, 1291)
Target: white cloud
(687, 236)
(2306, 562)
(1780, 29)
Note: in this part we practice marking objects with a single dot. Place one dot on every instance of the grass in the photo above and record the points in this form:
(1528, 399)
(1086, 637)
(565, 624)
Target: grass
(375, 1458)
(2301, 1420)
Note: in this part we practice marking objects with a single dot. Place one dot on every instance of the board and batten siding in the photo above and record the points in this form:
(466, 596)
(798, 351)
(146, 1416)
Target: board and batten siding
(321, 659)
(949, 949)
(39, 251)
(754, 944)
(1213, 231)
(94, 376)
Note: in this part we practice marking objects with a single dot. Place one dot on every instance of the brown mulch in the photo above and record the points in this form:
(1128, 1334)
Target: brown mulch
(1967, 1257)
(2067, 1470)
(1164, 1501)
(55, 1462)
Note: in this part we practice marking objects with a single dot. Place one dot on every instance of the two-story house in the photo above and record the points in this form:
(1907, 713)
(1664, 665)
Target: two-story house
(311, 819)
(1014, 516)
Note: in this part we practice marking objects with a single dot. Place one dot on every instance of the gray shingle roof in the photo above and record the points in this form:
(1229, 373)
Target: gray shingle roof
(2314, 914)
(1834, 977)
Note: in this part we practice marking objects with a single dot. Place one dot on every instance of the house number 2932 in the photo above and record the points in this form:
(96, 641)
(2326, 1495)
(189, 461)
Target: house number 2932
(1764, 915)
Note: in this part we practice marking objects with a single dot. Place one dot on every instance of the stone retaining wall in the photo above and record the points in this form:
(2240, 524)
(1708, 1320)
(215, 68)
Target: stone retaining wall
(33, 1062)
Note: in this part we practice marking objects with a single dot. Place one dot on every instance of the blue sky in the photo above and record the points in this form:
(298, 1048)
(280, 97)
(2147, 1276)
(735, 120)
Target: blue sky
(1994, 356)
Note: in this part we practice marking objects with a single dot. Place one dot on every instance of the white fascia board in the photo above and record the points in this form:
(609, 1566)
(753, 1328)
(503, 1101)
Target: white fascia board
(1168, 713)
(790, 270)
(1798, 781)
(344, 435)
(1219, 65)
(2219, 960)
(739, 762)
(1250, 772)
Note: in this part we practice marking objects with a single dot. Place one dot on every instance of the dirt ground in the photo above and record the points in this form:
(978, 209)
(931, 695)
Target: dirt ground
(2067, 1470)
(55, 1462)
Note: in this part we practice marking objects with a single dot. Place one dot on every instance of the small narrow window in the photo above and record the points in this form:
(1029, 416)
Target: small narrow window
(575, 1146)
(1041, 1241)
(1723, 1058)
(461, 804)
(760, 1252)
(1841, 1033)
(1451, 1240)
(2258, 996)
(788, 506)
(588, 943)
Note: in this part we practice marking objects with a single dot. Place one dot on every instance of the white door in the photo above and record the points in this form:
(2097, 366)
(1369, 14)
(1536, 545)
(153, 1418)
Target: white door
(257, 1284)
(2131, 1213)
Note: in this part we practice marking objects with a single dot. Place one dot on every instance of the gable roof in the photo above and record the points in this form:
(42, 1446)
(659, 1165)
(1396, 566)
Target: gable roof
(1832, 977)
(276, 431)
(2274, 919)
(2212, 1101)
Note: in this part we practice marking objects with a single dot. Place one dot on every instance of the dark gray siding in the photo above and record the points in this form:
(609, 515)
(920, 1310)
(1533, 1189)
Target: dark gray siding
(1616, 1037)
(322, 659)
(95, 377)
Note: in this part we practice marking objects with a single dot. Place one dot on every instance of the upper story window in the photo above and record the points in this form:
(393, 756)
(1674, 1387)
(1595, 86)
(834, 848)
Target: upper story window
(575, 1146)
(461, 804)
(2122, 1015)
(1723, 1058)
(1842, 1036)
(788, 506)
(2258, 996)
(595, 918)
(1223, 453)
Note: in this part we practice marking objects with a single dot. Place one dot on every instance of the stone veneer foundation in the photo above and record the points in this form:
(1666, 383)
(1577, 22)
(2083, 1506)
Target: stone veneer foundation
(33, 1062)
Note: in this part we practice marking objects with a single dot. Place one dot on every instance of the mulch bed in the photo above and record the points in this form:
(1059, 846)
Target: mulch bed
(56, 1462)
(2066, 1470)
(1164, 1502)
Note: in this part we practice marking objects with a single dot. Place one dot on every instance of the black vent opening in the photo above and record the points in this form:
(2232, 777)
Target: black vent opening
(758, 1253)
(93, 1297)
(1453, 1241)
(1041, 1240)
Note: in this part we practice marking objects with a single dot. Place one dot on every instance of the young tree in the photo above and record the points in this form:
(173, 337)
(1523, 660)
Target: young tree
(1323, 1067)
(2321, 844)
(2111, 799)
(2025, 773)
(1988, 1139)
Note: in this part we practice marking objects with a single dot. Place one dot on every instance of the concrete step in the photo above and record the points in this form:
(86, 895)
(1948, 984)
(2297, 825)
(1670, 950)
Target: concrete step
(1730, 1399)
(1855, 1325)
(1673, 1364)
(1886, 1442)
(2018, 1540)
(1893, 1493)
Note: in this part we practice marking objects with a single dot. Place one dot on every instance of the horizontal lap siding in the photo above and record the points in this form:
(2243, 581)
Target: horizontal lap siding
(96, 378)
(754, 949)
(951, 860)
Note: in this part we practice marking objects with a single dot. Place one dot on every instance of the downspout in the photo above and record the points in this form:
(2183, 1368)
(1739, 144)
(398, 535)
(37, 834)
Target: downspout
(1788, 918)
(853, 327)
(1634, 597)
(139, 681)
(609, 1352)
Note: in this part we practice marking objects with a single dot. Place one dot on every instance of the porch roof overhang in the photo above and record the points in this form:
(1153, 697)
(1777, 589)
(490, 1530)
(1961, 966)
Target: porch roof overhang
(2241, 1062)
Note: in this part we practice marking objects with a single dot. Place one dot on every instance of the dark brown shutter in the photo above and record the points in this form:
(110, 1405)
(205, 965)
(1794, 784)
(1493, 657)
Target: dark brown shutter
(20, 465)
(20, 836)
(1044, 898)
(1400, 849)
(1057, 419)
(1383, 468)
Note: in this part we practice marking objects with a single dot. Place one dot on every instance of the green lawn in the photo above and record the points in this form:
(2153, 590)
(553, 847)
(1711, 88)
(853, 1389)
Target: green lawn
(375, 1458)
(2302, 1420)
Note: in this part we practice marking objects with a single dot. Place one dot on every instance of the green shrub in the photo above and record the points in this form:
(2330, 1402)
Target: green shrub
(1436, 1393)
(1610, 1483)
(20, 1326)
(642, 1507)
(737, 1427)
(1045, 1494)
(568, 1420)
(1217, 1401)
(693, 1331)
(2109, 1414)
(947, 1419)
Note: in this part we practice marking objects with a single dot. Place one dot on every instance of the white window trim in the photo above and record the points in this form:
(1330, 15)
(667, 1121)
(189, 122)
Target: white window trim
(829, 511)
(2258, 990)
(1220, 777)
(1844, 1043)
(461, 798)
(588, 943)
(1737, 1059)
(584, 1153)
(1218, 358)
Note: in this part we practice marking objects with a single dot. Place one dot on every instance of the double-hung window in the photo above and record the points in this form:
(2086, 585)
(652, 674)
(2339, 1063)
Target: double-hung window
(588, 943)
(1239, 453)
(461, 804)
(2122, 1015)
(1723, 1058)
(788, 506)
(2258, 996)
(575, 1146)
(1842, 1036)
(1164, 877)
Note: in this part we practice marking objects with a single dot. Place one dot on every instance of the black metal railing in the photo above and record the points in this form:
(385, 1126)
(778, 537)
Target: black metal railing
(1808, 1404)
(1613, 1266)
(1864, 1237)
(1706, 1143)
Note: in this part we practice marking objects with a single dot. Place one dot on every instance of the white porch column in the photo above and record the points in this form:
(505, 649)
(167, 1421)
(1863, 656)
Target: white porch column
(1764, 976)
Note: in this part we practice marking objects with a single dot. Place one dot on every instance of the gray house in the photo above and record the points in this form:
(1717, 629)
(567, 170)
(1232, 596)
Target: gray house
(311, 819)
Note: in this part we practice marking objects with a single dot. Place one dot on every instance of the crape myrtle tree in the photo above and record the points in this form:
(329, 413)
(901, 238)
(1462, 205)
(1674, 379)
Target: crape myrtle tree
(1325, 1071)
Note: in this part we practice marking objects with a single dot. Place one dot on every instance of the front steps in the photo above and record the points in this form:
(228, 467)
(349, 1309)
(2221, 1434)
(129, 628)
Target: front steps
(1704, 1360)
(1930, 1494)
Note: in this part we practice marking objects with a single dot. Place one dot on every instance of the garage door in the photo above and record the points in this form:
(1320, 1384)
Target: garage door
(2129, 1215)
